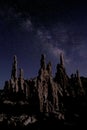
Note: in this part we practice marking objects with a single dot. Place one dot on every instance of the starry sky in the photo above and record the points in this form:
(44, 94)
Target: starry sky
(29, 28)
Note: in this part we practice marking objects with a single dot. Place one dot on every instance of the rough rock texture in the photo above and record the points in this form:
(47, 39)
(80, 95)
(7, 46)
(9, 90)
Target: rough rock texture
(47, 88)
(76, 85)
(44, 93)
(61, 77)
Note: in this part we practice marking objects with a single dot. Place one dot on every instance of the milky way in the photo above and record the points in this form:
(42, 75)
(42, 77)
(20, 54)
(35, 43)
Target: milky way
(30, 28)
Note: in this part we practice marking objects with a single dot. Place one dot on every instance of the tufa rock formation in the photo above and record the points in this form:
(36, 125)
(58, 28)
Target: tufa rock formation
(61, 77)
(45, 93)
(47, 88)
(76, 85)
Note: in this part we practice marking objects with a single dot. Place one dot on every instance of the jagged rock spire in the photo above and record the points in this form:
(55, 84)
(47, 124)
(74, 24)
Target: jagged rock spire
(21, 80)
(43, 64)
(61, 60)
(14, 68)
(21, 74)
(79, 83)
(77, 73)
(61, 76)
(78, 78)
(49, 68)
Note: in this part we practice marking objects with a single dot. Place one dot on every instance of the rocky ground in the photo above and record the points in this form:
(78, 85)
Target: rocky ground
(43, 121)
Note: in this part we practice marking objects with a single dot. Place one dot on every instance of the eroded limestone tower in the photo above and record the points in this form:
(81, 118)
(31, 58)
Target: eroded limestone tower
(14, 68)
(47, 88)
(61, 76)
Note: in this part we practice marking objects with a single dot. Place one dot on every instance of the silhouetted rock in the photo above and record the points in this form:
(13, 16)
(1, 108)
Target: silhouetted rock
(44, 99)
(76, 86)
(61, 77)
(47, 88)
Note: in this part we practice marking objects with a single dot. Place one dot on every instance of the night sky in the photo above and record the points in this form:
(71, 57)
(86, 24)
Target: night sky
(29, 28)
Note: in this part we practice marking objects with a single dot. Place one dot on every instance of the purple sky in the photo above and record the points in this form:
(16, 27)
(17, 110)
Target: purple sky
(28, 29)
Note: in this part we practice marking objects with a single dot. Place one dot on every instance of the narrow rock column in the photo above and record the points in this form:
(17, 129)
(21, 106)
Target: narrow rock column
(21, 79)
(14, 69)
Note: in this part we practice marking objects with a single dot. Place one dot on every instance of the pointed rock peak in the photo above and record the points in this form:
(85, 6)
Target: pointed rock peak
(49, 64)
(77, 74)
(21, 73)
(43, 63)
(61, 60)
(43, 56)
(15, 58)
(14, 68)
(49, 68)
